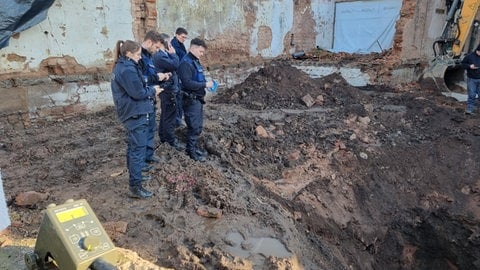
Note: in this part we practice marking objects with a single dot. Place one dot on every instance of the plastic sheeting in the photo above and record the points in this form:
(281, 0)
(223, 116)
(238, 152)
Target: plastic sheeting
(4, 218)
(17, 16)
(365, 26)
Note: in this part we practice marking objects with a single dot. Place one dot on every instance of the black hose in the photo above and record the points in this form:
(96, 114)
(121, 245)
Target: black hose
(442, 43)
(100, 264)
(452, 10)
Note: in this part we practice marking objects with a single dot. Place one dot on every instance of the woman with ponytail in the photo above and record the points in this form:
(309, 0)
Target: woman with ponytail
(133, 104)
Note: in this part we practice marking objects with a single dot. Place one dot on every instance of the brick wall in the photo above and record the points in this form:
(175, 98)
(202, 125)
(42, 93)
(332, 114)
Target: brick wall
(67, 71)
(145, 17)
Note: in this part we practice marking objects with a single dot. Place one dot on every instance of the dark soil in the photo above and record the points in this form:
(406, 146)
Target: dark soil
(361, 178)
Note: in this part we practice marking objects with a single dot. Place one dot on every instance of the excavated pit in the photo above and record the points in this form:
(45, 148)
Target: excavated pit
(302, 173)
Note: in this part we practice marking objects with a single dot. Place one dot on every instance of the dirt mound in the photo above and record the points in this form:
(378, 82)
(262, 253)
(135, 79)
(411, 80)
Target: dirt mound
(274, 86)
(282, 86)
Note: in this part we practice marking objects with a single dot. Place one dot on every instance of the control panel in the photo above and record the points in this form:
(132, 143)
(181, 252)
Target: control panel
(72, 237)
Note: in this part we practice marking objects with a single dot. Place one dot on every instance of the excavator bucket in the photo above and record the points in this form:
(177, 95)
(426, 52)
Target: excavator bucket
(447, 76)
(460, 30)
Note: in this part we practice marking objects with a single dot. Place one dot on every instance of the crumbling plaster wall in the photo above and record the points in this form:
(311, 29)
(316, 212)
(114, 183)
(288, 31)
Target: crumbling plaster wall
(421, 22)
(236, 31)
(62, 65)
(83, 30)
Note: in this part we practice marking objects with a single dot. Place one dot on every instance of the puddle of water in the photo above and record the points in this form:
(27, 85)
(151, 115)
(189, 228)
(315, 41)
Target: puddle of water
(266, 246)
(269, 247)
(234, 241)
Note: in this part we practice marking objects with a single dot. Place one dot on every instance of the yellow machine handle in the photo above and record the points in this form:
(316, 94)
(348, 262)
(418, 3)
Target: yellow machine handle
(465, 21)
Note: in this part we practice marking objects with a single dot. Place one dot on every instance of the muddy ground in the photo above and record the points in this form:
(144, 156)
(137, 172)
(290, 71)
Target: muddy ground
(301, 174)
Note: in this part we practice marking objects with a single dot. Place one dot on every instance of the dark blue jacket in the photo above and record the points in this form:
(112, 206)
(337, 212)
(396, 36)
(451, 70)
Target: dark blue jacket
(167, 62)
(472, 58)
(130, 94)
(148, 69)
(192, 79)
(179, 48)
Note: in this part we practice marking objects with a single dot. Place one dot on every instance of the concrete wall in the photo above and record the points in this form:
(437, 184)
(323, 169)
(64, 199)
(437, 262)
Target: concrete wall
(62, 65)
(421, 23)
(58, 67)
(87, 30)
(324, 16)
(237, 29)
(84, 30)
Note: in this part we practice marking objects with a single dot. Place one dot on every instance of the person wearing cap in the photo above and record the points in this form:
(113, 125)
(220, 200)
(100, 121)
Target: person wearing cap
(471, 63)
(178, 43)
(193, 84)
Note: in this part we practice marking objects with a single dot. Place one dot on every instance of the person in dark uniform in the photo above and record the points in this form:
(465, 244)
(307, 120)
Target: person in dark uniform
(133, 103)
(166, 61)
(150, 45)
(471, 63)
(193, 86)
(178, 43)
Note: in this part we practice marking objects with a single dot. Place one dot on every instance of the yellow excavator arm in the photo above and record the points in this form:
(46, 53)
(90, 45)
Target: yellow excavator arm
(465, 21)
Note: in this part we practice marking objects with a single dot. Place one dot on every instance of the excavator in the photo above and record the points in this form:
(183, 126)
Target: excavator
(459, 36)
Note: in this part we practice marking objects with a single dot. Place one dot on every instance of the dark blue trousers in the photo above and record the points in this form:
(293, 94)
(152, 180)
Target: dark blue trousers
(193, 111)
(137, 133)
(152, 126)
(179, 116)
(166, 126)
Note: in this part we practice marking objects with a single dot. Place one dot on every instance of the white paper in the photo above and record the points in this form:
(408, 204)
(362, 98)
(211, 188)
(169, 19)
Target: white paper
(4, 218)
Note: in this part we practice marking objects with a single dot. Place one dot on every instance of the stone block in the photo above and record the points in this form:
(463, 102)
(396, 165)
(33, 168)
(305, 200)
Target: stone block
(74, 109)
(30, 198)
(13, 100)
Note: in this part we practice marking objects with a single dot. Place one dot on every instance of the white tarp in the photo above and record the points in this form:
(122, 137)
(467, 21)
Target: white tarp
(365, 26)
(4, 218)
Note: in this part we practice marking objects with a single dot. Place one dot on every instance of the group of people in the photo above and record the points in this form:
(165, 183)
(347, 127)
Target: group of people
(158, 67)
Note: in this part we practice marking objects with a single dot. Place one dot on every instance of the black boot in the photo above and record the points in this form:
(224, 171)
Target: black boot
(139, 192)
(153, 159)
(178, 145)
(200, 152)
(147, 168)
(195, 156)
(146, 178)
